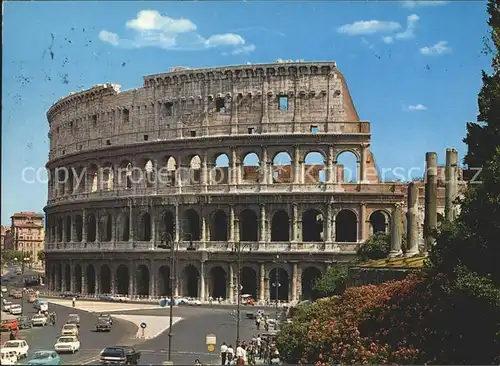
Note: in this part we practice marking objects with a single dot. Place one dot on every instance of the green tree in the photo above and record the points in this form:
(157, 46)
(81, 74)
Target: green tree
(41, 256)
(332, 282)
(376, 247)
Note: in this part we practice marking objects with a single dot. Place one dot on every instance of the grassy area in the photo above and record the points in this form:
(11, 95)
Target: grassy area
(417, 261)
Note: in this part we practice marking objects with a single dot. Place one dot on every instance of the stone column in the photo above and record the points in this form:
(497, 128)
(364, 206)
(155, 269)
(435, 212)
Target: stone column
(113, 280)
(230, 292)
(396, 231)
(177, 224)
(262, 229)
(131, 284)
(204, 170)
(295, 281)
(295, 224)
(234, 173)
(113, 227)
(63, 278)
(64, 229)
(329, 222)
(153, 225)
(97, 231)
(451, 172)
(262, 282)
(84, 279)
(231, 224)
(331, 166)
(270, 171)
(130, 222)
(72, 276)
(98, 281)
(296, 165)
(202, 281)
(362, 223)
(430, 223)
(152, 280)
(362, 165)
(412, 220)
(263, 166)
(203, 226)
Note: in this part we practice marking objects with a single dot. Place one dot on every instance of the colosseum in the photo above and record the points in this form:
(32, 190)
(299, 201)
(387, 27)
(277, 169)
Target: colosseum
(235, 167)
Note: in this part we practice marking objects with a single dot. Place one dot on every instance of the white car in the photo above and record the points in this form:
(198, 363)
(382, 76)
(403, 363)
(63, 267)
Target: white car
(193, 301)
(67, 344)
(8, 357)
(39, 320)
(19, 346)
(16, 309)
(4, 290)
(69, 330)
(6, 306)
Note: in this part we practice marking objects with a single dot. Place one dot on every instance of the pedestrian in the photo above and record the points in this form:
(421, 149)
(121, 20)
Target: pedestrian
(223, 353)
(257, 322)
(74, 301)
(12, 336)
(230, 354)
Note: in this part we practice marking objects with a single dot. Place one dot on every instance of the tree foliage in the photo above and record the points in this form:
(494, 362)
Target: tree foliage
(376, 247)
(332, 282)
(8, 255)
(41, 255)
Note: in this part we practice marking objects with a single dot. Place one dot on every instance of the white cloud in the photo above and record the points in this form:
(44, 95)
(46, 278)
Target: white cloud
(364, 27)
(411, 24)
(410, 4)
(415, 107)
(387, 39)
(244, 50)
(437, 49)
(153, 29)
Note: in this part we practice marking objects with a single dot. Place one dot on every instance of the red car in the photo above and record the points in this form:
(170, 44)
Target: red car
(10, 324)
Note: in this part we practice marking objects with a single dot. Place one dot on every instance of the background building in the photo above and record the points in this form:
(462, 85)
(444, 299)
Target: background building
(26, 233)
(4, 230)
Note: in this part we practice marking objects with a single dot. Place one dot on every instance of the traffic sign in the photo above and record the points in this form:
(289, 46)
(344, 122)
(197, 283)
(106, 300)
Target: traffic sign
(163, 303)
(211, 348)
(211, 339)
(143, 325)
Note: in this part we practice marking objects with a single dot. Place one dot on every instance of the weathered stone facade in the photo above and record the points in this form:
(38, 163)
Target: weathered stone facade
(128, 169)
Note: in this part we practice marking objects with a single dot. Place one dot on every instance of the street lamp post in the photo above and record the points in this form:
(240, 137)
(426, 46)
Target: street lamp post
(23, 260)
(277, 285)
(169, 244)
(238, 249)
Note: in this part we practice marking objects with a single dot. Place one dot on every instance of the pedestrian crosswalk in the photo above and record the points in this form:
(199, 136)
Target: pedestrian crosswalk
(101, 307)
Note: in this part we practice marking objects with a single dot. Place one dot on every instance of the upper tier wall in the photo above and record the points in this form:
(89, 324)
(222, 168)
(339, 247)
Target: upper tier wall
(251, 99)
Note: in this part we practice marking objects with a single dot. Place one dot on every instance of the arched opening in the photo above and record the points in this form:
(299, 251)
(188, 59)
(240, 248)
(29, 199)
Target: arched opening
(219, 226)
(251, 168)
(249, 226)
(191, 225)
(123, 226)
(309, 277)
(314, 168)
(78, 279)
(90, 273)
(78, 228)
(145, 227)
(105, 227)
(91, 228)
(191, 277)
(105, 279)
(218, 285)
(80, 183)
(142, 280)
(60, 232)
(282, 168)
(280, 229)
(52, 276)
(220, 172)
(379, 222)
(312, 226)
(67, 277)
(59, 277)
(69, 183)
(166, 175)
(164, 281)
(92, 176)
(278, 284)
(61, 180)
(248, 282)
(68, 228)
(167, 225)
(125, 175)
(148, 173)
(347, 167)
(346, 227)
(122, 280)
(194, 170)
(107, 177)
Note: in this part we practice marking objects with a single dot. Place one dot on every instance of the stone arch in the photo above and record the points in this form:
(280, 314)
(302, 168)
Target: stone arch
(218, 282)
(308, 279)
(142, 276)
(122, 280)
(280, 226)
(312, 226)
(61, 180)
(164, 288)
(107, 176)
(166, 175)
(105, 279)
(69, 183)
(148, 173)
(278, 277)
(220, 171)
(314, 168)
(105, 227)
(90, 274)
(191, 225)
(346, 227)
(78, 228)
(219, 226)
(379, 221)
(194, 170)
(191, 278)
(167, 225)
(91, 228)
(93, 171)
(249, 281)
(123, 226)
(67, 277)
(78, 278)
(249, 225)
(144, 228)
(82, 184)
(282, 168)
(347, 167)
(67, 234)
(251, 168)
(125, 175)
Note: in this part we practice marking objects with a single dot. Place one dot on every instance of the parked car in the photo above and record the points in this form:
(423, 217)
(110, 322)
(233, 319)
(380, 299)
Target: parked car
(69, 330)
(103, 325)
(10, 324)
(121, 355)
(4, 289)
(67, 344)
(45, 358)
(17, 295)
(39, 320)
(16, 309)
(6, 306)
(8, 357)
(25, 322)
(74, 319)
(19, 346)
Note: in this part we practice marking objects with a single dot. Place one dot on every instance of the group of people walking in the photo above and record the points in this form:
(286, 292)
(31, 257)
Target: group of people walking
(248, 352)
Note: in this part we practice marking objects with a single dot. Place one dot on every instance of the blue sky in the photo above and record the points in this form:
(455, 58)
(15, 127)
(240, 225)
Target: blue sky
(413, 68)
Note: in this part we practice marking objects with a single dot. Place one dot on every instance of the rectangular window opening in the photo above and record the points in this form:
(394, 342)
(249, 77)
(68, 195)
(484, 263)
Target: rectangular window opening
(314, 129)
(94, 119)
(251, 130)
(108, 142)
(146, 137)
(193, 133)
(126, 115)
(169, 109)
(283, 103)
(220, 105)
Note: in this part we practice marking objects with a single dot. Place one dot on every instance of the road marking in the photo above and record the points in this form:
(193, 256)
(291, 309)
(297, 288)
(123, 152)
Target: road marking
(156, 325)
(100, 307)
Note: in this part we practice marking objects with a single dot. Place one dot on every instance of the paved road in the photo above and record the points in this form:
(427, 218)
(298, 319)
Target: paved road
(92, 343)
